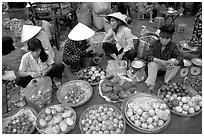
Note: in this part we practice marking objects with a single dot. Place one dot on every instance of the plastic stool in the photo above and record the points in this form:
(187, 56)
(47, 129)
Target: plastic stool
(158, 22)
(181, 28)
(140, 16)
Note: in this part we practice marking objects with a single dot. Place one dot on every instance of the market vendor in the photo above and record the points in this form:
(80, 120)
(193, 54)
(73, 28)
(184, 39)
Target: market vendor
(163, 54)
(37, 63)
(118, 42)
(76, 47)
(30, 31)
(11, 55)
(46, 26)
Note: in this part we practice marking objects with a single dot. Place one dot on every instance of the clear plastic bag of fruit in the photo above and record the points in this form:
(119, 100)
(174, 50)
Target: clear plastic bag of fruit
(39, 91)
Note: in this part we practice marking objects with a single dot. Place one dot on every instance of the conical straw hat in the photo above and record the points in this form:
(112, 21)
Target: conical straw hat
(119, 16)
(80, 32)
(29, 31)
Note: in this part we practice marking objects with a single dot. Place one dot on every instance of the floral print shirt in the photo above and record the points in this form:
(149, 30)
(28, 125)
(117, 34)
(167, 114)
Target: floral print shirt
(73, 55)
(171, 51)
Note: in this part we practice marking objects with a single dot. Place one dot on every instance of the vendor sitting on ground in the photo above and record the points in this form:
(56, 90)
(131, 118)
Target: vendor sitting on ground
(75, 47)
(118, 42)
(37, 63)
(11, 55)
(163, 54)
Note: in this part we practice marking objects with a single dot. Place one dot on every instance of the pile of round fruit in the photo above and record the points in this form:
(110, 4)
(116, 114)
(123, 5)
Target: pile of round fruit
(56, 119)
(22, 122)
(102, 119)
(74, 93)
(182, 100)
(147, 114)
(91, 74)
(195, 82)
(116, 88)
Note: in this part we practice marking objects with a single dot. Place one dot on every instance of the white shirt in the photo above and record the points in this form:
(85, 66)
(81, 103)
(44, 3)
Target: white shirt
(123, 38)
(29, 64)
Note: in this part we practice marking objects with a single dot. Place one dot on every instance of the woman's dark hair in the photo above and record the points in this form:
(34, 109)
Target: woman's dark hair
(7, 45)
(167, 30)
(34, 44)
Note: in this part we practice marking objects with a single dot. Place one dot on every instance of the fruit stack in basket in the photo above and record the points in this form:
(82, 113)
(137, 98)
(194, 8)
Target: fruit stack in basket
(56, 119)
(181, 99)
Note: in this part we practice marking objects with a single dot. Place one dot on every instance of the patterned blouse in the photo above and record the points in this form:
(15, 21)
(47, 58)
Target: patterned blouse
(73, 55)
(171, 51)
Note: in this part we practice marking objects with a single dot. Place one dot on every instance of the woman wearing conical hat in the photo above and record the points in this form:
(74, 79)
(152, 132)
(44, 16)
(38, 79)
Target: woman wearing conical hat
(75, 47)
(30, 31)
(118, 42)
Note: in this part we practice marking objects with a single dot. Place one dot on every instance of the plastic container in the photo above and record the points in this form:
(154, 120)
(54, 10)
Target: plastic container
(106, 25)
(84, 17)
(98, 20)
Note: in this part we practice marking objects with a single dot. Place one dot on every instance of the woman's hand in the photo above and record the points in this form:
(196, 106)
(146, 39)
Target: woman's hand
(172, 61)
(163, 62)
(35, 74)
(120, 56)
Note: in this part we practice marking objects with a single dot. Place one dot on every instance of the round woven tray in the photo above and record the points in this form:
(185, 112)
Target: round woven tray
(180, 114)
(107, 98)
(88, 91)
(92, 84)
(9, 116)
(70, 128)
(96, 106)
(142, 130)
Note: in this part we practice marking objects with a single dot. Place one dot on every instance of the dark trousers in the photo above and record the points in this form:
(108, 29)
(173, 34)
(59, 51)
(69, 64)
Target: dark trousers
(112, 49)
(56, 71)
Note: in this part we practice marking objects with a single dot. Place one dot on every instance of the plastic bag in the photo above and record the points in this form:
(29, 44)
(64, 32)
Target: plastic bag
(9, 75)
(115, 67)
(39, 91)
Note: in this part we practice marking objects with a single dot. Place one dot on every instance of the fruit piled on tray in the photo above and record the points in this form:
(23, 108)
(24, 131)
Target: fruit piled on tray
(181, 99)
(21, 124)
(148, 115)
(102, 119)
(117, 88)
(91, 74)
(56, 119)
(195, 82)
(74, 95)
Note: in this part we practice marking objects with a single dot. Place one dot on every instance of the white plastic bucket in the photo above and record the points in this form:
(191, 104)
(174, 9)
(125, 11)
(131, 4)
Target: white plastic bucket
(98, 20)
(84, 17)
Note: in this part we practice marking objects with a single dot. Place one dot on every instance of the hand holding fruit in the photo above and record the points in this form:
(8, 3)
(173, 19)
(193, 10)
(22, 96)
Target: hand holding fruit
(35, 74)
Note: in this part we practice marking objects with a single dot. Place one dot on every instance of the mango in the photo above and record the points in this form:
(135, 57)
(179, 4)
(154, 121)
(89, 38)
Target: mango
(63, 126)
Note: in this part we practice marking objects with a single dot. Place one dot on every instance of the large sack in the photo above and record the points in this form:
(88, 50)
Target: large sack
(39, 91)
(101, 7)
